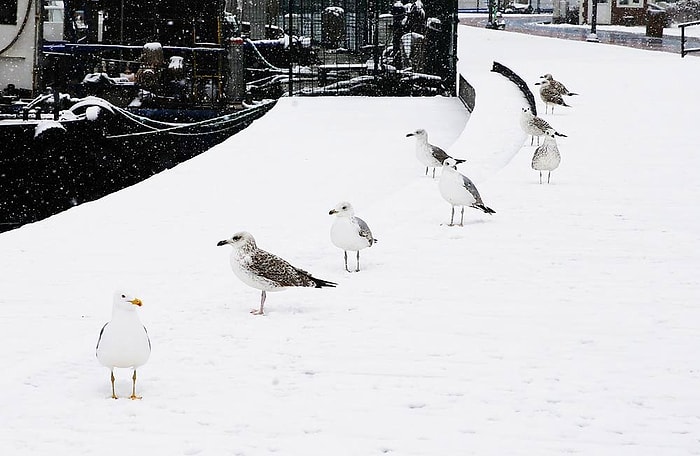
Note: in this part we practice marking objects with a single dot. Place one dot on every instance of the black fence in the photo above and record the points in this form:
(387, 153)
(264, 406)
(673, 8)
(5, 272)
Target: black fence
(371, 46)
(306, 47)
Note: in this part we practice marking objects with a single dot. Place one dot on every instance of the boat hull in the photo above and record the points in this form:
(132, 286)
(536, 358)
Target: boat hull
(46, 170)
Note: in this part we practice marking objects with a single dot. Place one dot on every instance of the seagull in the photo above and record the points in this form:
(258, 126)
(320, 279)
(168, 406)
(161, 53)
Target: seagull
(431, 156)
(550, 95)
(561, 88)
(547, 157)
(266, 272)
(124, 341)
(458, 190)
(349, 232)
(535, 126)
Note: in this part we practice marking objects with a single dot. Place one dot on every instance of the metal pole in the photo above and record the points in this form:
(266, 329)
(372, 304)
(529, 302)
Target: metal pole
(682, 42)
(592, 37)
(38, 82)
(375, 41)
(121, 24)
(291, 63)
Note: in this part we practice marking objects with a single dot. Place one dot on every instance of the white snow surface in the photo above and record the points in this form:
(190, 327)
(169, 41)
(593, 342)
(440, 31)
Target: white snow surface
(566, 323)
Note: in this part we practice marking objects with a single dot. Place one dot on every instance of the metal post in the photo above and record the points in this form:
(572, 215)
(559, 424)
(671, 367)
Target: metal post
(375, 41)
(682, 42)
(121, 24)
(56, 103)
(452, 73)
(38, 82)
(289, 50)
(235, 84)
(592, 37)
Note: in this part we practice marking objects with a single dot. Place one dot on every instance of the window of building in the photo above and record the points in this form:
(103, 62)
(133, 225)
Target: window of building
(8, 12)
(630, 3)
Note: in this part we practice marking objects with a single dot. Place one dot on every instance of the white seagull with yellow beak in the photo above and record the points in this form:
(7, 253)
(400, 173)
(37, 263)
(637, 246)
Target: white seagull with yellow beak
(124, 341)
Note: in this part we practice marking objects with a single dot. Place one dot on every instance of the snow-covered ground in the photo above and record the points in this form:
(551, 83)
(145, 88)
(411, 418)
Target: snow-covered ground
(565, 323)
(673, 30)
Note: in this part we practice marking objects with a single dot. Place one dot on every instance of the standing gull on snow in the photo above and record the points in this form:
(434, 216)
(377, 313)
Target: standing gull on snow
(428, 154)
(547, 157)
(266, 272)
(124, 341)
(550, 95)
(535, 126)
(561, 88)
(349, 232)
(458, 190)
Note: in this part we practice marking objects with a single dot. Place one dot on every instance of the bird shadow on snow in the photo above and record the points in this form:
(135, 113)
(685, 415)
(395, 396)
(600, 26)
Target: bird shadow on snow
(466, 223)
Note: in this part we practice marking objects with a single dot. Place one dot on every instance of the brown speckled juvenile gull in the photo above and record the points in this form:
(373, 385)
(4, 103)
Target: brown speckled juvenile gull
(535, 126)
(550, 95)
(266, 272)
(561, 88)
(546, 157)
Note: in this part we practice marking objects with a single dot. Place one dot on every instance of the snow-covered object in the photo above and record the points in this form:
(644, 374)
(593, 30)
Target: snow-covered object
(433, 23)
(334, 10)
(154, 47)
(92, 101)
(94, 77)
(175, 63)
(152, 55)
(45, 125)
(92, 113)
(67, 114)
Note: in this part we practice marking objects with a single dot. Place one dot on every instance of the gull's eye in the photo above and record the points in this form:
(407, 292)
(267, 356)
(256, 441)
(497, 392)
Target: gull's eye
(123, 296)
(344, 208)
(236, 238)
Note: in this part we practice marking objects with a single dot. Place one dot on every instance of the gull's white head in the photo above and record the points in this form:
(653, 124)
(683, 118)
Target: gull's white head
(450, 163)
(343, 209)
(547, 76)
(239, 240)
(124, 301)
(420, 133)
(549, 136)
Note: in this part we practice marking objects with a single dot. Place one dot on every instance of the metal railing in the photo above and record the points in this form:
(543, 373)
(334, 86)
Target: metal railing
(685, 50)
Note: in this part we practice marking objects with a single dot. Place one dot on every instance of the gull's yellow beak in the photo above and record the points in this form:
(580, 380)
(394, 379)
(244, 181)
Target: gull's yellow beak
(136, 302)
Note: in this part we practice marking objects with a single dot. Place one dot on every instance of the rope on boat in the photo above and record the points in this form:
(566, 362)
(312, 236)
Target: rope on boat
(204, 127)
(209, 126)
